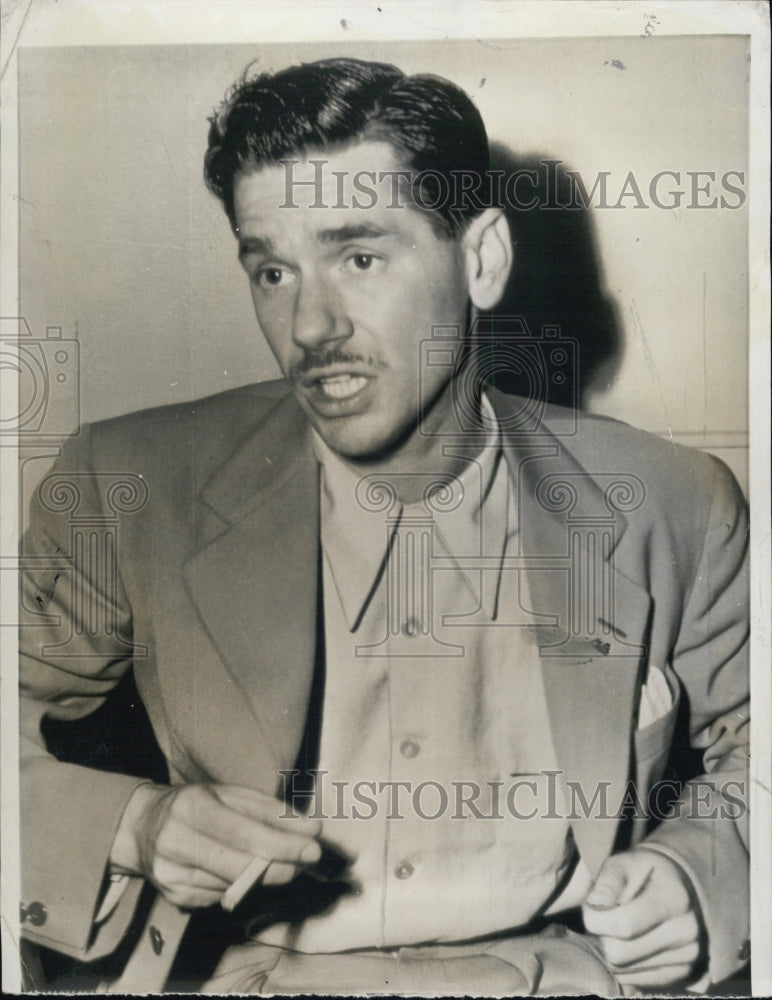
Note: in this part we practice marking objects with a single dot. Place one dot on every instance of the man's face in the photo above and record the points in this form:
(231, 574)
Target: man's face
(345, 295)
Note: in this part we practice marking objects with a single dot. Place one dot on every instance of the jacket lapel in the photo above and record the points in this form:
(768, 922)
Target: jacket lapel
(255, 589)
(255, 585)
(590, 621)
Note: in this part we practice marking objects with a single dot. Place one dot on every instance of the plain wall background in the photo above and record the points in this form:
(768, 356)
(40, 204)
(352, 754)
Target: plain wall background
(122, 246)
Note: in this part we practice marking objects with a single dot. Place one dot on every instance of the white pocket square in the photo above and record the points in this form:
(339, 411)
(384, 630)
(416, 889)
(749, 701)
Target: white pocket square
(656, 697)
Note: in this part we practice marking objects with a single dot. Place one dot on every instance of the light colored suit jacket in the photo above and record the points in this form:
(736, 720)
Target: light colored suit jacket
(202, 571)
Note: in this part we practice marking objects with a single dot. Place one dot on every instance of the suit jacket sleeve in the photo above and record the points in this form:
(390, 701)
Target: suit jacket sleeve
(707, 831)
(69, 813)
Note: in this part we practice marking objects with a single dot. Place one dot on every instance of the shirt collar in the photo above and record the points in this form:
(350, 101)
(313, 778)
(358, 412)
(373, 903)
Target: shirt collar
(470, 517)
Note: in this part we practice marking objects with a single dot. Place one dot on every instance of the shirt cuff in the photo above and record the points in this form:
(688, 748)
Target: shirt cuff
(116, 887)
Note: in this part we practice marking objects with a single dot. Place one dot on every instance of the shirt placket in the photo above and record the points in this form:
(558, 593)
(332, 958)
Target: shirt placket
(418, 657)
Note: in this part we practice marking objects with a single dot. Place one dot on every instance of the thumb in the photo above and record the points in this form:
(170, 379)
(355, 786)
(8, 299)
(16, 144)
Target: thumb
(610, 886)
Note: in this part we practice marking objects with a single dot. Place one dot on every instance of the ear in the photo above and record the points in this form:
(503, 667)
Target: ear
(488, 256)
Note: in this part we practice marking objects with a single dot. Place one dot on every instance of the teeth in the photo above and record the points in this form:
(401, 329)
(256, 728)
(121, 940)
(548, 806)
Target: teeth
(342, 386)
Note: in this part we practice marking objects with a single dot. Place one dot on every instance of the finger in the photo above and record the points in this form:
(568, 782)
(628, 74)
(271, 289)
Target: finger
(198, 852)
(638, 878)
(279, 873)
(666, 975)
(623, 878)
(652, 907)
(258, 839)
(265, 808)
(169, 872)
(247, 836)
(609, 887)
(187, 887)
(199, 879)
(685, 955)
(189, 899)
(674, 941)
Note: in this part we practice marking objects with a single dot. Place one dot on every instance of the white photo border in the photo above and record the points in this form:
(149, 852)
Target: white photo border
(119, 22)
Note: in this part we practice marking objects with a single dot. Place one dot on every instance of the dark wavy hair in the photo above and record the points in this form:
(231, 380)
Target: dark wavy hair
(430, 122)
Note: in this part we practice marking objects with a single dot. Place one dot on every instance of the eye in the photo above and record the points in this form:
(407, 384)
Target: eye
(272, 277)
(362, 261)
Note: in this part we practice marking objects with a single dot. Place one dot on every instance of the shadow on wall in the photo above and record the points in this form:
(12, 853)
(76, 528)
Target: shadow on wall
(555, 285)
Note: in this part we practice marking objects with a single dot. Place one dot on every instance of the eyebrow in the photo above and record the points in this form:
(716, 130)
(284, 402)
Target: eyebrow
(255, 245)
(264, 246)
(342, 234)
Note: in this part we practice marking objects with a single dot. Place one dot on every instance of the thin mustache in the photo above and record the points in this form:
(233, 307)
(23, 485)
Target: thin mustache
(319, 360)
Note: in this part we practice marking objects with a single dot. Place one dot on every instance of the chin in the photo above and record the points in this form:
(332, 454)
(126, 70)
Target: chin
(355, 452)
(366, 449)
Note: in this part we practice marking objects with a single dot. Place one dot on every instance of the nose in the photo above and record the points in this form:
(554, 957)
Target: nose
(320, 318)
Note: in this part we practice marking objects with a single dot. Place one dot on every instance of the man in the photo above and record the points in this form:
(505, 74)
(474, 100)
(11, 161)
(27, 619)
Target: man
(371, 587)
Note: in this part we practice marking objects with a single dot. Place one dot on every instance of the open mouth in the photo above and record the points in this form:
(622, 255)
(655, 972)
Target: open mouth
(341, 386)
(336, 390)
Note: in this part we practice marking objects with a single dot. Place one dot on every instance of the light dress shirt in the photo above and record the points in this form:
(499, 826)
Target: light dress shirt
(429, 683)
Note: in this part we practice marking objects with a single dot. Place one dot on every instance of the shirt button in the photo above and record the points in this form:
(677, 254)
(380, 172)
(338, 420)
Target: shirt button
(410, 627)
(404, 870)
(410, 748)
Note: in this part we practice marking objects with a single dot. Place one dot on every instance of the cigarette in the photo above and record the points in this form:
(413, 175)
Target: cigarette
(238, 889)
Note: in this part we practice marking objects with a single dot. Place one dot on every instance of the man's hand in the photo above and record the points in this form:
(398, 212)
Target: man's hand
(193, 841)
(644, 914)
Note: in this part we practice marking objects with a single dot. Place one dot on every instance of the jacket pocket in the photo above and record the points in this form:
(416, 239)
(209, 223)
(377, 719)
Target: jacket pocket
(654, 739)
